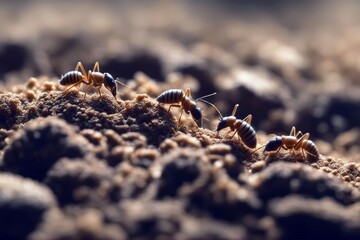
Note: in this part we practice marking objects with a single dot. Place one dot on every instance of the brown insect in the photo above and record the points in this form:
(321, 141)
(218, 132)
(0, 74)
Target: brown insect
(179, 98)
(293, 142)
(94, 79)
(240, 126)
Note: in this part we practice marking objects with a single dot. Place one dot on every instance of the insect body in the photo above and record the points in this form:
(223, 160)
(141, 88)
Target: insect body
(181, 99)
(293, 142)
(71, 78)
(93, 78)
(242, 127)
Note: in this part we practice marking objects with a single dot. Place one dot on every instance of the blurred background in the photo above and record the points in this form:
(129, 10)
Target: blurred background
(288, 63)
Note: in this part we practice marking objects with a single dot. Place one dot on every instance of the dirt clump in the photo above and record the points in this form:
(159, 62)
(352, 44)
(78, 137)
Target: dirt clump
(35, 148)
(332, 220)
(23, 202)
(288, 178)
(91, 166)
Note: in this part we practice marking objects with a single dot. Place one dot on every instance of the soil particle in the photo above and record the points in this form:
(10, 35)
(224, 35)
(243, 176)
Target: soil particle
(156, 221)
(345, 170)
(332, 220)
(10, 110)
(33, 150)
(94, 112)
(185, 140)
(281, 179)
(148, 117)
(129, 182)
(216, 193)
(76, 223)
(258, 166)
(78, 181)
(4, 137)
(22, 205)
(180, 167)
(218, 149)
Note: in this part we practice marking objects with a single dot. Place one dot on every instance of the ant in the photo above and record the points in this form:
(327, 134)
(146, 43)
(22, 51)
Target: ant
(179, 98)
(242, 127)
(93, 78)
(293, 142)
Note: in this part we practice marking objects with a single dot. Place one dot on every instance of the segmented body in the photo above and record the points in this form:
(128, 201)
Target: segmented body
(94, 79)
(273, 144)
(179, 98)
(241, 126)
(246, 132)
(291, 142)
(71, 78)
(310, 147)
(171, 96)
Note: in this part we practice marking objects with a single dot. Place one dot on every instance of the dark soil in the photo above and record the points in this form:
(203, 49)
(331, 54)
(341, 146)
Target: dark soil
(96, 167)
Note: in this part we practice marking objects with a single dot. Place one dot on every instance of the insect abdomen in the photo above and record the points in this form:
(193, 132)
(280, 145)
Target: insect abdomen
(310, 147)
(273, 144)
(71, 78)
(171, 96)
(247, 134)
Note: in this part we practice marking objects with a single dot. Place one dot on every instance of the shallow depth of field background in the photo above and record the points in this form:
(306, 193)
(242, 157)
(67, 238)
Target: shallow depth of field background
(99, 168)
(287, 63)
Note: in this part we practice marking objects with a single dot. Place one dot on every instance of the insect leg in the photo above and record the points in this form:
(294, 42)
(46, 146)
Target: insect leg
(284, 147)
(96, 66)
(279, 149)
(248, 119)
(225, 137)
(88, 78)
(234, 135)
(235, 109)
(300, 141)
(180, 115)
(68, 89)
(228, 134)
(303, 153)
(98, 89)
(299, 133)
(87, 90)
(79, 65)
(259, 148)
(293, 131)
(174, 105)
(311, 154)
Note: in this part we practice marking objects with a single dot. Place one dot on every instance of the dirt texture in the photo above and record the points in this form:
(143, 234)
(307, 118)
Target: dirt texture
(95, 167)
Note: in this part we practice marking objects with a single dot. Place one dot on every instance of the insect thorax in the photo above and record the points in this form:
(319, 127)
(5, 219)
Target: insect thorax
(97, 78)
(289, 141)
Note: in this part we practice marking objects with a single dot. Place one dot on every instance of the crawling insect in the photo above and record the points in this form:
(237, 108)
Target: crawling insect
(181, 99)
(242, 127)
(293, 142)
(93, 78)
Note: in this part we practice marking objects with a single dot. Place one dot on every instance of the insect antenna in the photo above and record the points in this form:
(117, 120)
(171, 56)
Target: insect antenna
(117, 80)
(311, 154)
(211, 104)
(209, 95)
(205, 117)
(259, 148)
